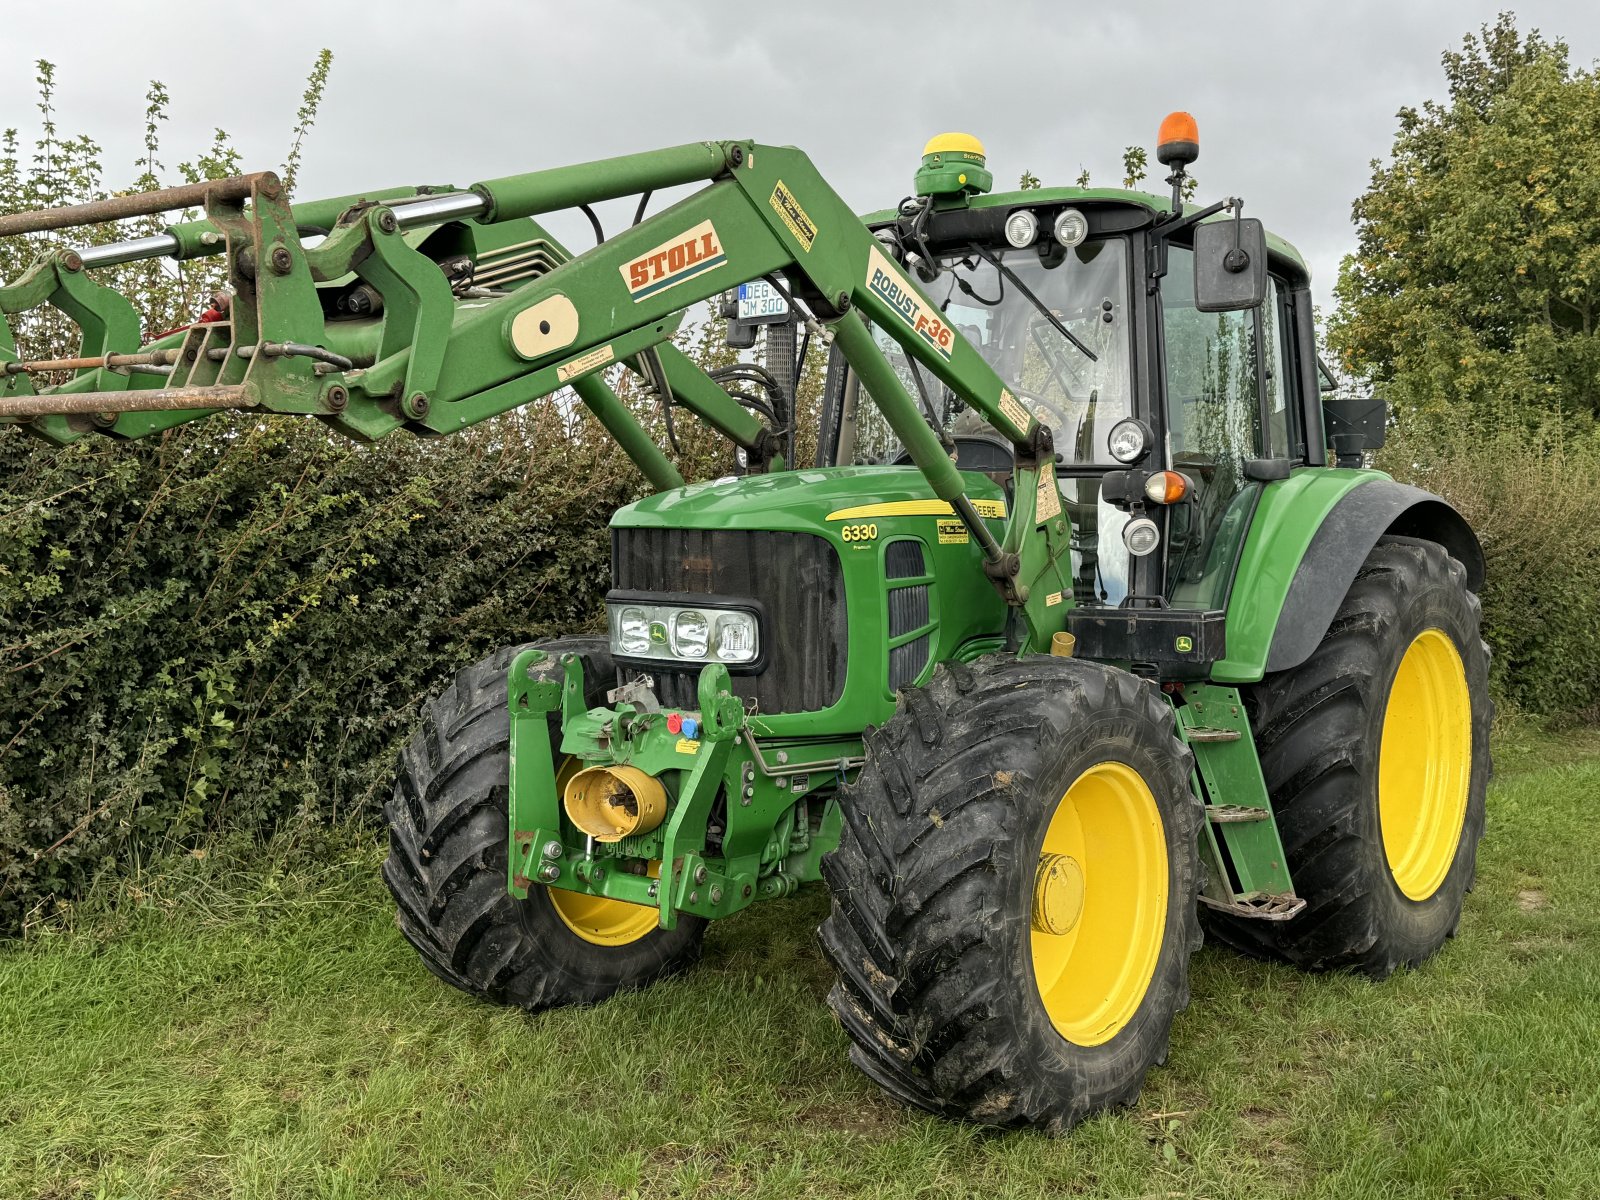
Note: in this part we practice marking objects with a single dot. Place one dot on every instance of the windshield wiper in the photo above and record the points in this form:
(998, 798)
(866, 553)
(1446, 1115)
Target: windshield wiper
(1050, 359)
(1034, 300)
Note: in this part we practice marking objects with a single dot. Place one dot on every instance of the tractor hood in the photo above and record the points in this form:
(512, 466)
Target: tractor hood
(822, 500)
(863, 580)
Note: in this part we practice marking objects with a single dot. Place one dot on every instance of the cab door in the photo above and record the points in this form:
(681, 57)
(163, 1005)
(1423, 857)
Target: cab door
(1231, 426)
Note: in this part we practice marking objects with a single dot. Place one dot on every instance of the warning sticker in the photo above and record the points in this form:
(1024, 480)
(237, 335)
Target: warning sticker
(953, 533)
(584, 363)
(1014, 412)
(788, 208)
(1047, 504)
(1053, 599)
(688, 746)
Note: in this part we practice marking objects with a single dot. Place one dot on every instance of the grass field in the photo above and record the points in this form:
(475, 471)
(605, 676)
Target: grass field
(204, 1033)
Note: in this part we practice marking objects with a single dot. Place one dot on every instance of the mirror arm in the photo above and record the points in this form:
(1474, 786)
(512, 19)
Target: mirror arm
(1165, 229)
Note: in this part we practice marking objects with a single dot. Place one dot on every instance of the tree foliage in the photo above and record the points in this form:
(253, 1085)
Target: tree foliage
(1475, 286)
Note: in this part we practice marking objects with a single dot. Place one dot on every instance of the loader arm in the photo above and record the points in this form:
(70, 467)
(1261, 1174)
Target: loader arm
(438, 362)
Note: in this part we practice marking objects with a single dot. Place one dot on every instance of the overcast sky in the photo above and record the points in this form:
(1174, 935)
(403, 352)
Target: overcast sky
(1293, 100)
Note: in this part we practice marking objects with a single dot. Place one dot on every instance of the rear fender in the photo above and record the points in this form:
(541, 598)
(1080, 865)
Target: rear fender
(1311, 534)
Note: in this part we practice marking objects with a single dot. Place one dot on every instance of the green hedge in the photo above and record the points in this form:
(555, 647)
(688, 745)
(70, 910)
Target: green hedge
(238, 621)
(1533, 497)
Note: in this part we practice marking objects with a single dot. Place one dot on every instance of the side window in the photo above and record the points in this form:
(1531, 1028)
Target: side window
(1279, 374)
(1228, 399)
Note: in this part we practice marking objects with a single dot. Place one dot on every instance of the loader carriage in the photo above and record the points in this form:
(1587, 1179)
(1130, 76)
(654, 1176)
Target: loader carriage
(1072, 642)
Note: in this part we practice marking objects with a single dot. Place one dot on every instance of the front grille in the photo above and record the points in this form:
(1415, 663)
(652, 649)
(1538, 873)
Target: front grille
(904, 560)
(906, 662)
(909, 610)
(796, 580)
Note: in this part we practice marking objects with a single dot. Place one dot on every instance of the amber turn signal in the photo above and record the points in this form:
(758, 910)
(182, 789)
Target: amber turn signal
(1178, 142)
(1166, 487)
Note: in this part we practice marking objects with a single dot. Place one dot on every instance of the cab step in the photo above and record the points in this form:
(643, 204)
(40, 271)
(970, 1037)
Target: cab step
(1259, 906)
(1203, 733)
(1231, 814)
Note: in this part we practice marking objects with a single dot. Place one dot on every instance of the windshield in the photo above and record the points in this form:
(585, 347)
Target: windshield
(1078, 385)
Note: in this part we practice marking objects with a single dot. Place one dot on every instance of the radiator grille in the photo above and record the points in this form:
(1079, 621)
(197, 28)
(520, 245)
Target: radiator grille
(906, 662)
(904, 560)
(794, 577)
(910, 609)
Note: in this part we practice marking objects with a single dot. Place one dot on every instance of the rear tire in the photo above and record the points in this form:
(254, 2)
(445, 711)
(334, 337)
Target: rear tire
(447, 863)
(960, 848)
(1380, 820)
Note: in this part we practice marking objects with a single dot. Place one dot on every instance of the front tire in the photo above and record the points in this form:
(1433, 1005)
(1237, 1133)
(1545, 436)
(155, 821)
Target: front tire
(1376, 757)
(1015, 892)
(447, 862)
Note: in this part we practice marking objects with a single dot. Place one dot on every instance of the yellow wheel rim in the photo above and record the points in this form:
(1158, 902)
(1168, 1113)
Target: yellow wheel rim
(599, 919)
(1425, 764)
(1099, 904)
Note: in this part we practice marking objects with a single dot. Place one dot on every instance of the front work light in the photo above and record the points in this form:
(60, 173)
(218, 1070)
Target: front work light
(1022, 227)
(1071, 227)
(1128, 440)
(1141, 536)
(684, 633)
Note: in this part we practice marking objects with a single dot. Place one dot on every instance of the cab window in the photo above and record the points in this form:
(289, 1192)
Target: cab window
(1228, 400)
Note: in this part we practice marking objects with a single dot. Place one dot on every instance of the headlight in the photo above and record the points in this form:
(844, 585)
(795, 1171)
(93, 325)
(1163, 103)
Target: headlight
(1128, 440)
(735, 637)
(691, 634)
(1021, 228)
(632, 628)
(1141, 536)
(1071, 227)
(684, 633)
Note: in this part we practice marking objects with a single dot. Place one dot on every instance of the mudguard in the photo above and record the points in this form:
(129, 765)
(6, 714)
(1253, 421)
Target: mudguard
(1320, 533)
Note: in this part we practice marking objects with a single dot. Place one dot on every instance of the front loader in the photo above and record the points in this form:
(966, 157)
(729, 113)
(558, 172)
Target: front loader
(1086, 630)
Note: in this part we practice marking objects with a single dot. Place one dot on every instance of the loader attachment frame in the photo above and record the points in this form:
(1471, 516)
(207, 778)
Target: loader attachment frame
(441, 363)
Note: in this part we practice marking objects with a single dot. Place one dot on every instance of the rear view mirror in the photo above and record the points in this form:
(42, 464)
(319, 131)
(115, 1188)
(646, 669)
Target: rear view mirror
(1353, 426)
(1230, 265)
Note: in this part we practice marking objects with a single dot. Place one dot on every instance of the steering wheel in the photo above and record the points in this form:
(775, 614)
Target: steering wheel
(986, 452)
(1051, 414)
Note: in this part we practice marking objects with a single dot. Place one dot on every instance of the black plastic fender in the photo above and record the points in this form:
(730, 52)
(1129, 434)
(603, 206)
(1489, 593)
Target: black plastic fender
(1347, 535)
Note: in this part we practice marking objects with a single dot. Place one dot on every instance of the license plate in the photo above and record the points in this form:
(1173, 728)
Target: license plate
(760, 301)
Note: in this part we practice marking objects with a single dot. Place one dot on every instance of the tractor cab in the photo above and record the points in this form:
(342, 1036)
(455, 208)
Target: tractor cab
(1172, 398)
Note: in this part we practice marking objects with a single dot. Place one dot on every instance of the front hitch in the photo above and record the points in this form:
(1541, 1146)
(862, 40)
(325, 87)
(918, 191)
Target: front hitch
(661, 866)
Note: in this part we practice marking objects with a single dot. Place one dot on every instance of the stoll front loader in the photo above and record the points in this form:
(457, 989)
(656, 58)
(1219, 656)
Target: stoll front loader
(1072, 642)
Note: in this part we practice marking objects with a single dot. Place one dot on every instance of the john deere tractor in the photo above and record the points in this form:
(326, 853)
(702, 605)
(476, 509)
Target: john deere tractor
(1086, 631)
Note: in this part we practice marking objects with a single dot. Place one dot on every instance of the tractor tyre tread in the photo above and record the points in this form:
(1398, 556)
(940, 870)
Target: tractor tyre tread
(1317, 731)
(447, 870)
(942, 1016)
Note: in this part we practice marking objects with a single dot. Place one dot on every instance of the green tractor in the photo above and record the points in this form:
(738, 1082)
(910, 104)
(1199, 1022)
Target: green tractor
(1085, 632)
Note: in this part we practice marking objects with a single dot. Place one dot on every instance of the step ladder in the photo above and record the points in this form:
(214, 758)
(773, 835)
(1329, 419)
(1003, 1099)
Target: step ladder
(1247, 873)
